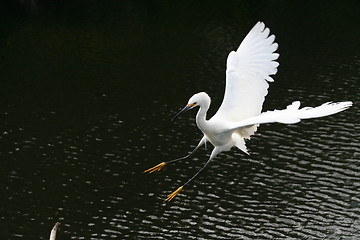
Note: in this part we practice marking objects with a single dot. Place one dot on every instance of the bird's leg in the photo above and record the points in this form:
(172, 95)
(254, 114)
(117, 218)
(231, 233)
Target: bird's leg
(215, 151)
(176, 192)
(162, 165)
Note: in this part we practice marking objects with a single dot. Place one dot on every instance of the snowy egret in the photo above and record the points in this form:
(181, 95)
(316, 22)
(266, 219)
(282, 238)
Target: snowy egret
(247, 76)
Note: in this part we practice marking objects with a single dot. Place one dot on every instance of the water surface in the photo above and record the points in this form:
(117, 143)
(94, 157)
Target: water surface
(87, 92)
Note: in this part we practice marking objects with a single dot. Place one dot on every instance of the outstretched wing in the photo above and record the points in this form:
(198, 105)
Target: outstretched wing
(248, 71)
(293, 114)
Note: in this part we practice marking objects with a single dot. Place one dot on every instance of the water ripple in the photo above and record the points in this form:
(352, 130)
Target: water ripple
(86, 104)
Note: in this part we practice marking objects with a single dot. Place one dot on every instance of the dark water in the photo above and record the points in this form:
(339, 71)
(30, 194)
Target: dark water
(87, 92)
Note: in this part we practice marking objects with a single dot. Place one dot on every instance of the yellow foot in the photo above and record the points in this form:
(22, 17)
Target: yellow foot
(173, 194)
(156, 168)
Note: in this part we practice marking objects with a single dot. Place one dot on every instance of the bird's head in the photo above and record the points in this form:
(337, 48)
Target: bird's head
(199, 99)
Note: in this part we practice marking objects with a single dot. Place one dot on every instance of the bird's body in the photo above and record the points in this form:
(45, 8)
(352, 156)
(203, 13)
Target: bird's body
(215, 129)
(247, 76)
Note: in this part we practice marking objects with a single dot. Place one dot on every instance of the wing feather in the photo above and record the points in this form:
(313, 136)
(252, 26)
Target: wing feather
(247, 74)
(293, 114)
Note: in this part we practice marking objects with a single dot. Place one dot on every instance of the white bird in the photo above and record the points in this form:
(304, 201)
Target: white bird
(247, 76)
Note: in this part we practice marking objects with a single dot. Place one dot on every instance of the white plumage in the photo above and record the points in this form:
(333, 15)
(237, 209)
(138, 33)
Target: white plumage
(248, 72)
(293, 114)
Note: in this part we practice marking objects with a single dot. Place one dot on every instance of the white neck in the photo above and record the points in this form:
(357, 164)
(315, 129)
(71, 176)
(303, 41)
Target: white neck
(201, 121)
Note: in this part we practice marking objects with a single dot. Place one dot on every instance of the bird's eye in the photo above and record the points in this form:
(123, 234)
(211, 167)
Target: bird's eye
(195, 103)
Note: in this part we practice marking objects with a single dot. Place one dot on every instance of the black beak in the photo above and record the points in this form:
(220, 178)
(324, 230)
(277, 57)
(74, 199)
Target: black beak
(186, 108)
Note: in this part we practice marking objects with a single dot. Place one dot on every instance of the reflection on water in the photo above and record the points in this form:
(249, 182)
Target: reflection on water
(87, 92)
